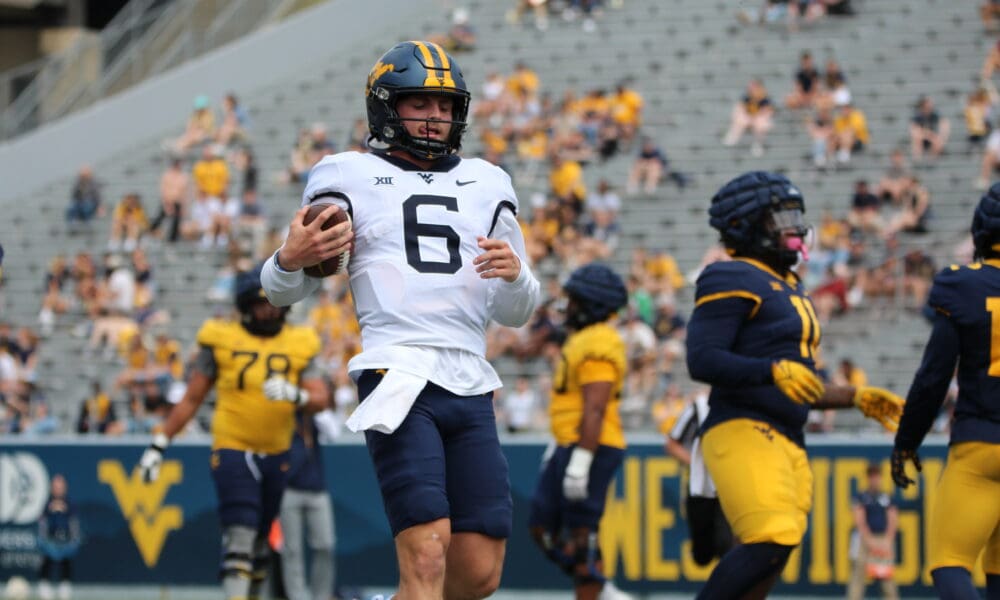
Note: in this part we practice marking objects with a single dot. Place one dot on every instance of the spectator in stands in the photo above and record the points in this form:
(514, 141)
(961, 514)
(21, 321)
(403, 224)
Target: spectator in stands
(830, 296)
(41, 421)
(809, 11)
(895, 179)
(175, 190)
(320, 143)
(235, 122)
(25, 349)
(604, 199)
(85, 199)
(866, 208)
(167, 362)
(208, 219)
(520, 407)
(116, 301)
(979, 113)
(461, 36)
(834, 91)
(754, 112)
(918, 274)
(772, 11)
(850, 132)
(566, 181)
(211, 173)
(991, 160)
(246, 163)
(928, 130)
(848, 373)
(805, 85)
(85, 287)
(989, 12)
(97, 412)
(128, 223)
(357, 137)
(299, 157)
(626, 111)
(200, 127)
(538, 7)
(523, 82)
(662, 276)
(991, 63)
(603, 228)
(647, 169)
(641, 353)
(491, 102)
(55, 300)
(820, 128)
(912, 211)
(58, 540)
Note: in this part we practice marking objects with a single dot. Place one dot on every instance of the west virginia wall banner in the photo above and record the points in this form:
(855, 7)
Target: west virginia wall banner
(167, 532)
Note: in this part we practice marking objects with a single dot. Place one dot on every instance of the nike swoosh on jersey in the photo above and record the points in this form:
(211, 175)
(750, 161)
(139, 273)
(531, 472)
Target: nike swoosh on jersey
(461, 183)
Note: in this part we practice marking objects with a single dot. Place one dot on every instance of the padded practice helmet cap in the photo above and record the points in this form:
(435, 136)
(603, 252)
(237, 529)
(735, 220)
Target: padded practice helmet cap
(986, 223)
(751, 210)
(598, 291)
(415, 68)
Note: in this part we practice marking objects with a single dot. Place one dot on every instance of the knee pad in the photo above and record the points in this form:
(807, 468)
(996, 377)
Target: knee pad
(553, 550)
(588, 557)
(237, 551)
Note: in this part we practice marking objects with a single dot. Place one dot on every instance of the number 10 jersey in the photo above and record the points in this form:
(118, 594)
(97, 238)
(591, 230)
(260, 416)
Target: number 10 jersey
(416, 236)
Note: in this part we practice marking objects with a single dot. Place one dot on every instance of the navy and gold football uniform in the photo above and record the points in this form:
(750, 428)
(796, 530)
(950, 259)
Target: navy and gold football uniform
(589, 442)
(754, 337)
(966, 331)
(747, 316)
(251, 434)
(240, 362)
(596, 353)
(593, 354)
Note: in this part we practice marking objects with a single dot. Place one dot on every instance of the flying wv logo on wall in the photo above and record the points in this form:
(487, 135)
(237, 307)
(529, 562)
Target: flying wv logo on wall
(141, 504)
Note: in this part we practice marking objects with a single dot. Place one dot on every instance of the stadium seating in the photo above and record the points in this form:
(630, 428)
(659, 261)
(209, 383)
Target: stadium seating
(690, 59)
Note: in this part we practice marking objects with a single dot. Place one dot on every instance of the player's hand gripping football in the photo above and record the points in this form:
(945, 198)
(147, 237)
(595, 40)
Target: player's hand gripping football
(280, 389)
(577, 474)
(152, 458)
(899, 459)
(797, 381)
(309, 245)
(881, 405)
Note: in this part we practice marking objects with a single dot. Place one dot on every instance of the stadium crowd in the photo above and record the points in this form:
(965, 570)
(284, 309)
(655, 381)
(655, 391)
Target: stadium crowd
(546, 139)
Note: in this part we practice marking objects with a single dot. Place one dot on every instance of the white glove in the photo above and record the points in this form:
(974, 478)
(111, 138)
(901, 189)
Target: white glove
(577, 474)
(152, 458)
(279, 388)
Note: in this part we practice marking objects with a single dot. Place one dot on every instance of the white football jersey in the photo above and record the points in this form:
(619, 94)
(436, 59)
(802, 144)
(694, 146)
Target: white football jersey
(416, 235)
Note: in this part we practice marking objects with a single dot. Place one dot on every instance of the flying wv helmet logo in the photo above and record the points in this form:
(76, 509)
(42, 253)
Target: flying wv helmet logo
(149, 521)
(793, 192)
(378, 71)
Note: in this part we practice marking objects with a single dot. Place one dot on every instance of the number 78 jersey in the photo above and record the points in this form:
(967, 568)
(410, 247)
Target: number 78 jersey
(416, 235)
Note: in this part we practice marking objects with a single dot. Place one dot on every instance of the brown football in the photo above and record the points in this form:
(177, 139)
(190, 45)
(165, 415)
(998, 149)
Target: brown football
(336, 264)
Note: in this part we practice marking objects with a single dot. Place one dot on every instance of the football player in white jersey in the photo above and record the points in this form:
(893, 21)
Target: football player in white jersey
(437, 254)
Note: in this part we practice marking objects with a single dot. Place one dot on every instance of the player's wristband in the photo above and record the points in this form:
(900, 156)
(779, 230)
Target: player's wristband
(278, 264)
(160, 441)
